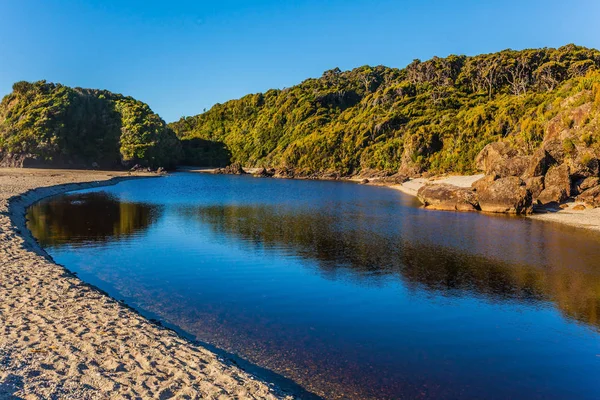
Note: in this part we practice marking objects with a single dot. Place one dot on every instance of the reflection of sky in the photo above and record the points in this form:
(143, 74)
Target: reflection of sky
(380, 332)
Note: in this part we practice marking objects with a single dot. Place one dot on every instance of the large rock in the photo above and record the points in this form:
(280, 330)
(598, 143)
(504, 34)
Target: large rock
(535, 185)
(500, 159)
(587, 183)
(539, 163)
(484, 182)
(233, 169)
(557, 185)
(448, 197)
(590, 197)
(505, 195)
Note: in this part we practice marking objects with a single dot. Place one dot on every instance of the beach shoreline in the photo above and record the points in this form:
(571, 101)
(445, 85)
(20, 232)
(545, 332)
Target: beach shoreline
(61, 337)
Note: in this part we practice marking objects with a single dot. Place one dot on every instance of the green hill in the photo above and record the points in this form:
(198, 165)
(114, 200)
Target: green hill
(46, 124)
(431, 116)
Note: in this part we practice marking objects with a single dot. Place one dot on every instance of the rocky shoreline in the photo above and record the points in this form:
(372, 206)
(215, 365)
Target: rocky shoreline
(62, 338)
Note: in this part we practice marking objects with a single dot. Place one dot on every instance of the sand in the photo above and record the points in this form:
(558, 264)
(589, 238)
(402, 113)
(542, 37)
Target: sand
(61, 338)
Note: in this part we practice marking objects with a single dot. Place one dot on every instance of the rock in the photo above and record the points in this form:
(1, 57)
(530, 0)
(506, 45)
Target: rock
(557, 185)
(563, 206)
(579, 207)
(136, 167)
(502, 160)
(585, 165)
(397, 179)
(590, 197)
(285, 173)
(263, 173)
(161, 170)
(483, 182)
(505, 195)
(587, 183)
(364, 181)
(448, 197)
(539, 163)
(535, 186)
(232, 169)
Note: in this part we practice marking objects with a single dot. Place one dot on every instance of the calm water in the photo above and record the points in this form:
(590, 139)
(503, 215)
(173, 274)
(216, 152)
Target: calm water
(352, 291)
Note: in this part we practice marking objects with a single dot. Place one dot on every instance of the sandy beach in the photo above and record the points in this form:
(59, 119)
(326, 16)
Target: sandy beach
(62, 338)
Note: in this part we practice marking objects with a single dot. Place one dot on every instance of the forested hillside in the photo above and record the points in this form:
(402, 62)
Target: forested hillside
(50, 124)
(431, 116)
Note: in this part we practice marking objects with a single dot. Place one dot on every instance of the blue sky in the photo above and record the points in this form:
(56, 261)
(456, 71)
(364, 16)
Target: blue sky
(183, 56)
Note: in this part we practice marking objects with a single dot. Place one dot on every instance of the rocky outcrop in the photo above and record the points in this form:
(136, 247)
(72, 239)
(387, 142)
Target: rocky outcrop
(264, 173)
(502, 160)
(504, 195)
(448, 197)
(233, 169)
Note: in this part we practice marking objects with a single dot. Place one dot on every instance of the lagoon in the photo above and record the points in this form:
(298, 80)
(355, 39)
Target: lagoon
(352, 291)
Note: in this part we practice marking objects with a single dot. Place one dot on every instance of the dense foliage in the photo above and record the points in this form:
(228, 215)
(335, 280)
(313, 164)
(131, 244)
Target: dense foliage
(434, 115)
(48, 123)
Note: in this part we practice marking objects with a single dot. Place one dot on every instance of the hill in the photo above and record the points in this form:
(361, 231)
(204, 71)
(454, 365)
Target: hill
(433, 116)
(45, 124)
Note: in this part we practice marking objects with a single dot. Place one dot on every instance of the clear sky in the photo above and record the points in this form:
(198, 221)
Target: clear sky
(183, 56)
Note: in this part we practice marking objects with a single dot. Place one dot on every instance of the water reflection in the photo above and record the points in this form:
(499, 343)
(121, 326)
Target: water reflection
(95, 217)
(410, 252)
(349, 290)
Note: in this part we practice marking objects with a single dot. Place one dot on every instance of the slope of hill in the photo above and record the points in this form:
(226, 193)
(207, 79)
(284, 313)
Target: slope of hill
(51, 124)
(433, 116)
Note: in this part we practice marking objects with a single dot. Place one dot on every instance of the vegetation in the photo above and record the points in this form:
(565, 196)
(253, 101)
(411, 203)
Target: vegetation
(430, 116)
(46, 123)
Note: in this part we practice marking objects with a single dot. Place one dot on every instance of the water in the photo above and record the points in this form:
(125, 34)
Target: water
(352, 291)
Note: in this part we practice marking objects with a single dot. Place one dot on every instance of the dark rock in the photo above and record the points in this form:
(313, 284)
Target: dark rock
(364, 181)
(590, 197)
(505, 195)
(448, 197)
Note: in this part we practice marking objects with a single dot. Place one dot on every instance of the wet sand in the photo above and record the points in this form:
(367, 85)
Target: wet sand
(62, 338)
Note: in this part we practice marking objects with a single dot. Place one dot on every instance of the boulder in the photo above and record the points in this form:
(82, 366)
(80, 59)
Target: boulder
(505, 195)
(448, 197)
(232, 169)
(587, 183)
(483, 182)
(263, 173)
(500, 159)
(535, 185)
(557, 185)
(590, 197)
(539, 163)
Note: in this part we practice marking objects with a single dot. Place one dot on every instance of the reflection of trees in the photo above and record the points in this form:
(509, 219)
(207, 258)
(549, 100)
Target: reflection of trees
(87, 217)
(365, 251)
